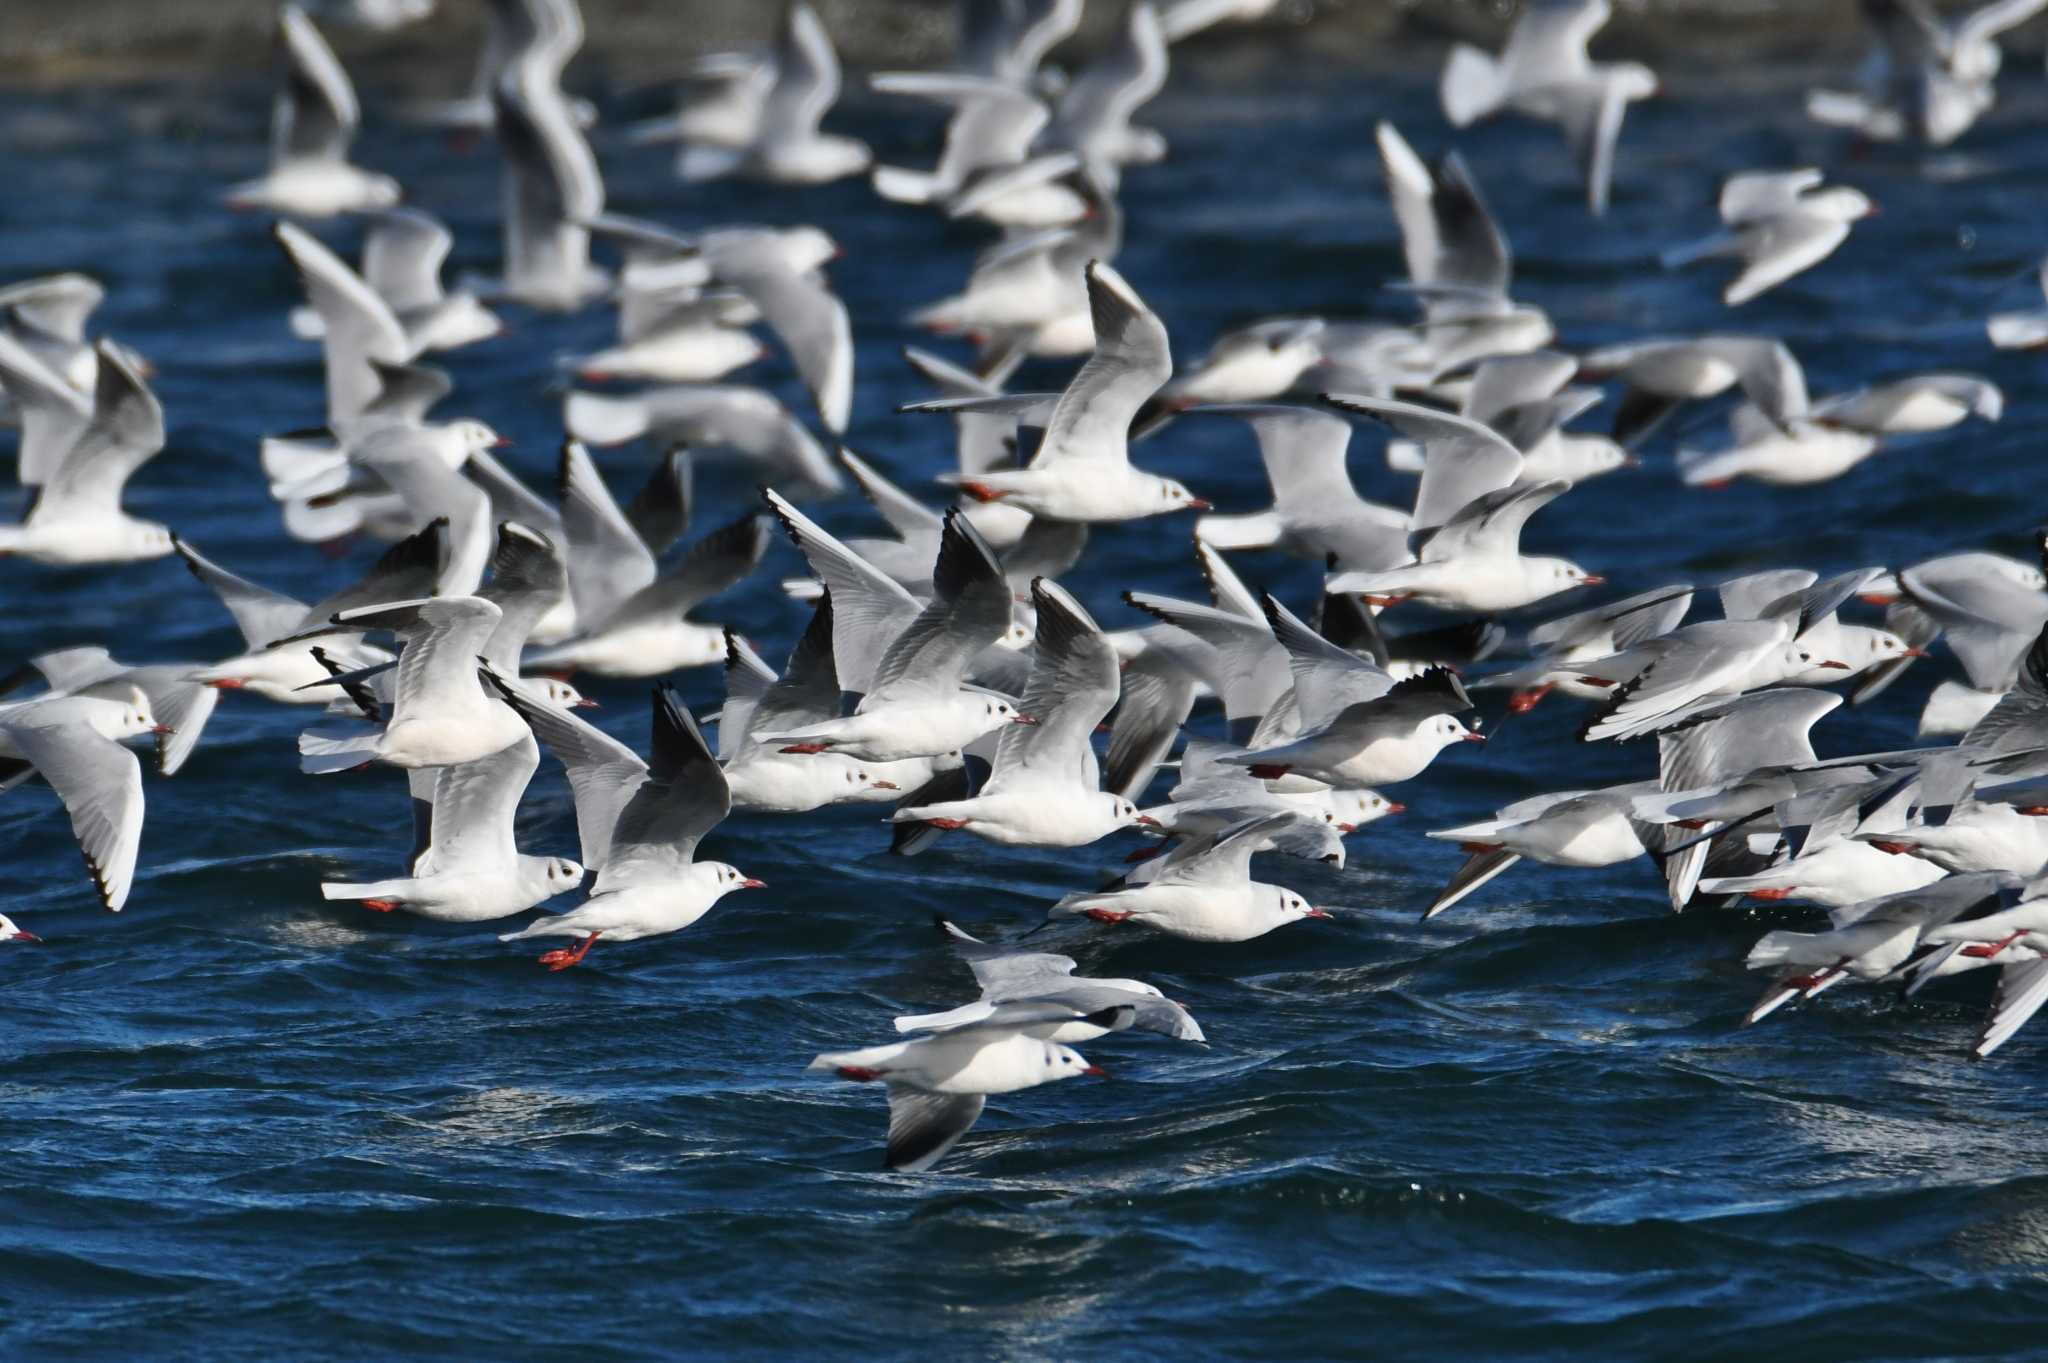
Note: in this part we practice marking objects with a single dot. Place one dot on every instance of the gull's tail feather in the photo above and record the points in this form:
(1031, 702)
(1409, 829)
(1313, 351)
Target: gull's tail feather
(321, 753)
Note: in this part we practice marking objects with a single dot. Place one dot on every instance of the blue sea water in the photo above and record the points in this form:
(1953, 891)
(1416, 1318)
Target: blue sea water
(239, 1122)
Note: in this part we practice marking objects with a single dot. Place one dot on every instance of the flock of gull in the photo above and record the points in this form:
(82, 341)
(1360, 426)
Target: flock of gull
(945, 673)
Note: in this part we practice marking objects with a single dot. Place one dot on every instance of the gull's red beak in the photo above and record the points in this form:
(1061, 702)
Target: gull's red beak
(1023, 719)
(1096, 1072)
(1522, 702)
(584, 703)
(1471, 737)
(21, 936)
(163, 729)
(1317, 913)
(884, 785)
(1396, 807)
(1843, 666)
(1149, 822)
(503, 442)
(1916, 653)
(1200, 504)
(1593, 580)
(751, 884)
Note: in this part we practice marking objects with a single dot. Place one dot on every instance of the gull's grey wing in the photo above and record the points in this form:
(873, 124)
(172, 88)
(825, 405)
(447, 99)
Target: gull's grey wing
(402, 257)
(474, 803)
(100, 783)
(528, 578)
(1004, 971)
(406, 571)
(716, 563)
(52, 413)
(683, 797)
(1223, 857)
(870, 608)
(806, 78)
(126, 431)
(1327, 679)
(1130, 363)
(924, 1126)
(608, 562)
(1493, 522)
(316, 113)
(969, 610)
(1448, 236)
(605, 776)
(57, 305)
(913, 521)
(358, 326)
(808, 689)
(660, 512)
(1074, 682)
(1158, 695)
(260, 614)
(1462, 459)
(805, 315)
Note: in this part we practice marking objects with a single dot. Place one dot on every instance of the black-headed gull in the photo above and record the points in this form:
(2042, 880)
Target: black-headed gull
(48, 406)
(403, 252)
(1358, 725)
(1929, 77)
(472, 870)
(551, 177)
(1093, 116)
(77, 516)
(986, 169)
(1250, 364)
(180, 704)
(1662, 374)
(1045, 790)
(1474, 561)
(1839, 432)
(632, 619)
(74, 744)
(907, 661)
(640, 823)
(1762, 643)
(1867, 941)
(1082, 470)
(939, 1080)
(1563, 643)
(11, 933)
(1007, 41)
(1779, 223)
(279, 671)
(1212, 795)
(441, 714)
(1316, 512)
(714, 420)
(1544, 72)
(1009, 974)
(1202, 890)
(786, 145)
(1585, 828)
(759, 774)
(313, 119)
